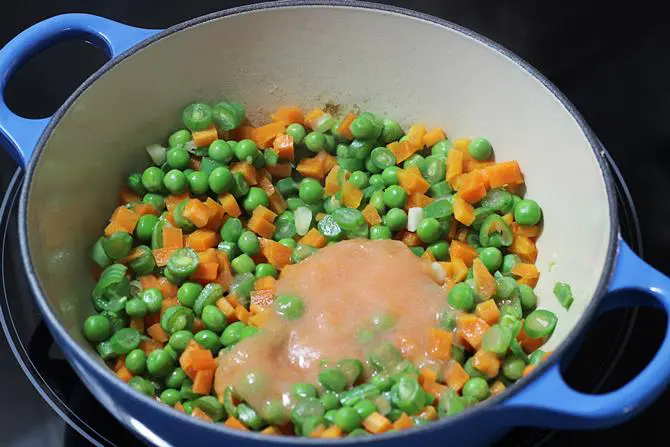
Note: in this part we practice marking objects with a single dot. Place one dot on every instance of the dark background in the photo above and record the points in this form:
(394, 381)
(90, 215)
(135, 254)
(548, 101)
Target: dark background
(611, 61)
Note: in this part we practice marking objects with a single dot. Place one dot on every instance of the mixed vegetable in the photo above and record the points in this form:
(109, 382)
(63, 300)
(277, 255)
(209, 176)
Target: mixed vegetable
(188, 264)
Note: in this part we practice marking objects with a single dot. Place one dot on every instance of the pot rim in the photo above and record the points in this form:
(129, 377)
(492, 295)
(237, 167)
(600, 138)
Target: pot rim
(105, 373)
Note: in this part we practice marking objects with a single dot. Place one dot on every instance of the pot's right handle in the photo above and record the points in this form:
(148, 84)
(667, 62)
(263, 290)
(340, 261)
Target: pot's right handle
(20, 134)
(550, 402)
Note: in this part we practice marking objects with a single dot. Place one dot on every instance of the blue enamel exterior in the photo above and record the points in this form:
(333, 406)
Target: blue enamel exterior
(22, 134)
(543, 400)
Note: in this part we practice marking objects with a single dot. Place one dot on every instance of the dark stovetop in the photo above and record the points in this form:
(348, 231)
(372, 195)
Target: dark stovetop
(611, 62)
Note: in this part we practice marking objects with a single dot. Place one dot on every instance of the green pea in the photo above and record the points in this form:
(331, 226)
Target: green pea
(315, 141)
(213, 318)
(188, 293)
(330, 400)
(145, 227)
(527, 212)
(536, 357)
(175, 378)
(429, 230)
(390, 175)
(509, 261)
(180, 339)
(175, 181)
(441, 148)
(378, 232)
(477, 388)
(248, 331)
(178, 158)
(243, 264)
(366, 127)
(296, 131)
(263, 270)
(396, 218)
(170, 397)
(155, 200)
(231, 230)
(290, 307)
(440, 250)
(220, 180)
(208, 340)
(480, 149)
(97, 328)
(395, 196)
(513, 367)
(118, 245)
(359, 179)
(153, 298)
(249, 243)
(333, 379)
(136, 308)
(291, 243)
(152, 179)
(492, 258)
(220, 151)
(462, 297)
(310, 191)
(365, 408)
(434, 169)
(256, 197)
(304, 390)
(391, 131)
(231, 334)
(348, 419)
(329, 416)
(198, 183)
(527, 297)
(136, 361)
(159, 363)
(179, 137)
(274, 413)
(505, 287)
(197, 116)
(135, 184)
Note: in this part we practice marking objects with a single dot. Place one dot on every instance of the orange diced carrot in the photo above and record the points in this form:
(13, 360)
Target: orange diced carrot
(371, 215)
(454, 164)
(403, 422)
(488, 311)
(280, 170)
(229, 205)
(402, 150)
(288, 114)
(455, 376)
(277, 254)
(200, 414)
(241, 313)
(124, 374)
(127, 196)
(505, 173)
(351, 196)
(264, 136)
(233, 422)
(472, 329)
(312, 167)
(314, 238)
(415, 135)
(266, 283)
(196, 212)
(433, 136)
(226, 308)
(247, 170)
(439, 344)
(487, 363)
(376, 423)
(203, 381)
(261, 227)
(284, 147)
(343, 128)
(460, 250)
(203, 138)
(172, 237)
(162, 256)
(332, 432)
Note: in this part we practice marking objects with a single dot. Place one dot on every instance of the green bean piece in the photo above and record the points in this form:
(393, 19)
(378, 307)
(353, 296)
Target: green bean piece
(330, 400)
(274, 413)
(197, 116)
(306, 407)
(562, 291)
(498, 200)
(211, 406)
(142, 385)
(302, 252)
(450, 404)
(180, 220)
(490, 238)
(408, 396)
(157, 234)
(434, 169)
(209, 295)
(124, 341)
(384, 357)
(540, 323)
(183, 262)
(333, 379)
(99, 256)
(118, 245)
(145, 263)
(536, 357)
(354, 395)
(228, 115)
(229, 401)
(177, 318)
(440, 209)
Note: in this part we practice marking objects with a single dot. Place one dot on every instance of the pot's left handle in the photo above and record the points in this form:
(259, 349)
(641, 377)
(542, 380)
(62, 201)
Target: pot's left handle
(20, 135)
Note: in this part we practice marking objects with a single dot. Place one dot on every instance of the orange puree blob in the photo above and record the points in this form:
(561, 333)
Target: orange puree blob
(346, 288)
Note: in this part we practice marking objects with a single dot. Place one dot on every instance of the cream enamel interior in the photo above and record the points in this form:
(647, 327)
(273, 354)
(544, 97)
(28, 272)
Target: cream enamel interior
(391, 64)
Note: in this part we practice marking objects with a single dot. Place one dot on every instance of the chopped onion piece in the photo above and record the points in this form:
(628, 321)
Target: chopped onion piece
(414, 218)
(303, 218)
(323, 123)
(190, 146)
(157, 153)
(438, 271)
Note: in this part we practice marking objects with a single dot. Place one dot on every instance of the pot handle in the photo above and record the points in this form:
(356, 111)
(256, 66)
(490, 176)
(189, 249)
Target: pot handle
(20, 135)
(549, 401)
